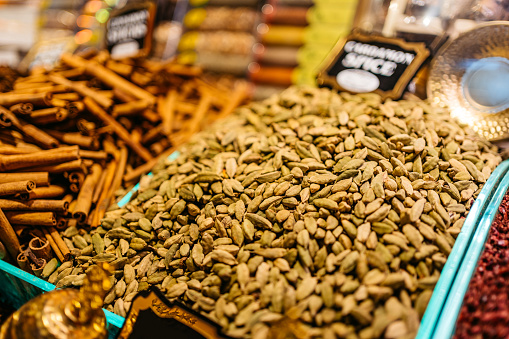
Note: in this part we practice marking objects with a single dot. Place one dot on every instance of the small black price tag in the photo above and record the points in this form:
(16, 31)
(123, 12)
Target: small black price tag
(153, 316)
(129, 31)
(365, 63)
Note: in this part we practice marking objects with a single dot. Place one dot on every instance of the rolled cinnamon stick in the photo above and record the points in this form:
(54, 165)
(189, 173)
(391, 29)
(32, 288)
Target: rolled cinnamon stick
(84, 201)
(76, 180)
(107, 93)
(58, 103)
(72, 222)
(15, 187)
(9, 99)
(13, 162)
(7, 118)
(120, 170)
(130, 108)
(71, 73)
(39, 178)
(68, 198)
(72, 109)
(38, 267)
(72, 204)
(76, 139)
(140, 79)
(183, 70)
(78, 105)
(203, 107)
(67, 96)
(49, 115)
(43, 88)
(91, 217)
(32, 218)
(81, 89)
(53, 244)
(99, 187)
(41, 248)
(122, 96)
(109, 77)
(96, 155)
(23, 262)
(239, 95)
(75, 187)
(151, 116)
(22, 108)
(60, 243)
(86, 127)
(217, 96)
(153, 134)
(60, 168)
(103, 202)
(61, 223)
(52, 191)
(76, 176)
(40, 137)
(185, 107)
(10, 150)
(59, 206)
(8, 236)
(28, 85)
(167, 110)
(119, 130)
(120, 68)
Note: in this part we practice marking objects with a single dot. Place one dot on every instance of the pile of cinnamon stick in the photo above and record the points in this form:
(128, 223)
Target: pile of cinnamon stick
(72, 137)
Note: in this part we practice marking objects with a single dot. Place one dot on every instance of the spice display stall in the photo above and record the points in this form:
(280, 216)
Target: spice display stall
(351, 211)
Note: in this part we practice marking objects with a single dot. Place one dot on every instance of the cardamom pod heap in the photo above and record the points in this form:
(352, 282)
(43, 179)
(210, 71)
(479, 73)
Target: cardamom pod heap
(336, 210)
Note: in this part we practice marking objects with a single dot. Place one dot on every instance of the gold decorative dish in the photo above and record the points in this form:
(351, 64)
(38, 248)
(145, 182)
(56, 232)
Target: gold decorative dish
(471, 75)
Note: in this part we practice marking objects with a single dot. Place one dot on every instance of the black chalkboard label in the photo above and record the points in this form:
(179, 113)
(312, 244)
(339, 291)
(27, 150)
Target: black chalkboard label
(364, 63)
(153, 316)
(129, 31)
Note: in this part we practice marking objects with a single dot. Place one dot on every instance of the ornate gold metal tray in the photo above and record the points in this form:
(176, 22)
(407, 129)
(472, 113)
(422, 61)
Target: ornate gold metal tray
(471, 75)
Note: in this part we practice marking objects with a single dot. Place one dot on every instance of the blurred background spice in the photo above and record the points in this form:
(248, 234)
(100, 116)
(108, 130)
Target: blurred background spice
(485, 310)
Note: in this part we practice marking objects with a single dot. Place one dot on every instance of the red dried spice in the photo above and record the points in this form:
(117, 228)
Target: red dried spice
(485, 310)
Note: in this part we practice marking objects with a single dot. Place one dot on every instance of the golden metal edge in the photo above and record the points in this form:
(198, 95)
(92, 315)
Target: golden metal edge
(153, 302)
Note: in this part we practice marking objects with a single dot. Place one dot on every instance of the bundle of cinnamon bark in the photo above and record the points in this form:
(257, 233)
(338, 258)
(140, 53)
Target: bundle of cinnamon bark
(72, 137)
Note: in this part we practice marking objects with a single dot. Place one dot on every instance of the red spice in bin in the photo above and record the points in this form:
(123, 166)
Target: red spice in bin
(485, 310)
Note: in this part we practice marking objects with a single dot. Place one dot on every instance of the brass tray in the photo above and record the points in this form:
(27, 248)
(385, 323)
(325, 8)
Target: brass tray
(471, 75)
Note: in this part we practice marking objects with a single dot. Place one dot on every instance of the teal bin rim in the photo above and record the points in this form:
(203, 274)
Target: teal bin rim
(446, 324)
(439, 306)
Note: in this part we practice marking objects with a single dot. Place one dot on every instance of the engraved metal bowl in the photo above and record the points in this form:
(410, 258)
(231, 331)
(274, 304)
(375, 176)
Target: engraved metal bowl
(477, 98)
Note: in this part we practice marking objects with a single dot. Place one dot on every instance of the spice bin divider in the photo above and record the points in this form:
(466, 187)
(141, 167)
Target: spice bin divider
(436, 310)
(446, 323)
(18, 286)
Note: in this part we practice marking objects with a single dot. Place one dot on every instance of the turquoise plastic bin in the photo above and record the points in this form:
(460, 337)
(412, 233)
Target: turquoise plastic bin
(17, 286)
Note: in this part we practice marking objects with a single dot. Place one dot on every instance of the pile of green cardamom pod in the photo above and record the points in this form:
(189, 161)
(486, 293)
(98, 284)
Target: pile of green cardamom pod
(335, 210)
